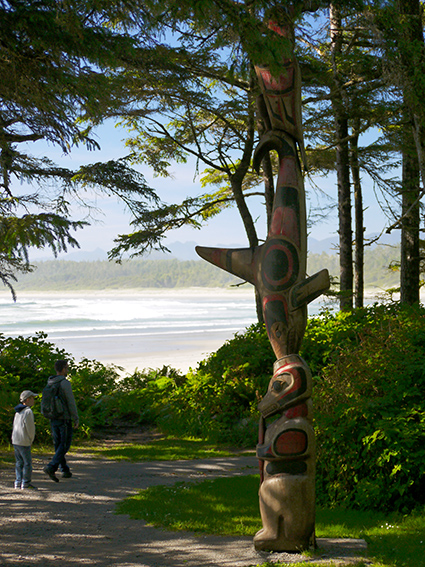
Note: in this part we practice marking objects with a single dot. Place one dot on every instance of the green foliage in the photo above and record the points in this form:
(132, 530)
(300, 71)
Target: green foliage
(194, 99)
(61, 65)
(92, 384)
(144, 396)
(369, 369)
(218, 400)
(27, 363)
(368, 374)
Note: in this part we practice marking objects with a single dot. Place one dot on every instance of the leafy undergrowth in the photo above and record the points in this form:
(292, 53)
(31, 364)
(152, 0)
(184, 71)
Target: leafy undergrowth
(229, 506)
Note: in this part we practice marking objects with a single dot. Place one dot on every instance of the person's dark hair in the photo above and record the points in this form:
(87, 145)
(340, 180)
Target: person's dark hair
(60, 365)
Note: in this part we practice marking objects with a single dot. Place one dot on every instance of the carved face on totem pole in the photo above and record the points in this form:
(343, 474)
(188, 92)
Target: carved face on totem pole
(277, 269)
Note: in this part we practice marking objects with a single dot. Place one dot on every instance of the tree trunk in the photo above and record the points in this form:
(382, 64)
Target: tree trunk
(410, 256)
(268, 187)
(358, 211)
(342, 167)
(413, 164)
(236, 183)
(412, 54)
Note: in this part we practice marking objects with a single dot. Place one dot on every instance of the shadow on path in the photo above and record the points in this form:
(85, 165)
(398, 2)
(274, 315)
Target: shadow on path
(73, 521)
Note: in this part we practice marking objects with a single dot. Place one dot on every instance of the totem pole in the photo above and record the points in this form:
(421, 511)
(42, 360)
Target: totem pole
(277, 269)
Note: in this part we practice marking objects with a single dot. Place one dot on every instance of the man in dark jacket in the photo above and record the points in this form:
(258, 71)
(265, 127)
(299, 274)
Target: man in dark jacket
(62, 428)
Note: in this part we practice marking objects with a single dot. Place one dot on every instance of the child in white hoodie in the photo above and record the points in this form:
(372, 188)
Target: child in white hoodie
(23, 434)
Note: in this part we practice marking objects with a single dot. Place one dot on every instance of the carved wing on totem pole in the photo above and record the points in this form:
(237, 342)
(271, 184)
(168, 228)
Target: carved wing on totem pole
(277, 269)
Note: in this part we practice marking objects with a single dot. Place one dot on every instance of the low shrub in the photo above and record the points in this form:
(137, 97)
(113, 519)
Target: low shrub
(369, 410)
(25, 364)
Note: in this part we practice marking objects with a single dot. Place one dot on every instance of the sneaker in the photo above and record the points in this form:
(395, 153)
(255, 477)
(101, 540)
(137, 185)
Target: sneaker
(67, 474)
(29, 487)
(17, 486)
(51, 474)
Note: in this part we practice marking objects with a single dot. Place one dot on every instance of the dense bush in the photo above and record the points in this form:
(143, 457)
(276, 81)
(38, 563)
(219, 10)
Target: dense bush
(219, 399)
(141, 398)
(369, 403)
(368, 392)
(25, 364)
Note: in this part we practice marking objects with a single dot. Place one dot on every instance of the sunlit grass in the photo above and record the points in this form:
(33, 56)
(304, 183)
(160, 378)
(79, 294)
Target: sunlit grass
(229, 506)
(222, 506)
(7, 454)
(167, 449)
(164, 449)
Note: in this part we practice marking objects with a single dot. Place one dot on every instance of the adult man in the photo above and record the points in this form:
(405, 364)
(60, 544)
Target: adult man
(62, 428)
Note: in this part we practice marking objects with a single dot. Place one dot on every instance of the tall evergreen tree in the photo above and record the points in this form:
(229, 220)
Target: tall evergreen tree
(339, 104)
(410, 221)
(193, 96)
(399, 29)
(345, 97)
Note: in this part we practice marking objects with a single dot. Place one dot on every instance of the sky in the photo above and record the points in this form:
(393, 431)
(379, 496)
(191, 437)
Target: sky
(224, 230)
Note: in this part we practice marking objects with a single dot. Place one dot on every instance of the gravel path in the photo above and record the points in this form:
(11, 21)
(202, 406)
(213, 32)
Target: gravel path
(73, 521)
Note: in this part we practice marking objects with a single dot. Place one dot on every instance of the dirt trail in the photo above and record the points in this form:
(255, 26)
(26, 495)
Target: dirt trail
(73, 521)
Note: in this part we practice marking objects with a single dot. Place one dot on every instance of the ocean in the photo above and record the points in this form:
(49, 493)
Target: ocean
(134, 329)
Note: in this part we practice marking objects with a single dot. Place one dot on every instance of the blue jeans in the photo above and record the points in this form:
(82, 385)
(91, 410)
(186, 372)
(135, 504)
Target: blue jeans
(62, 437)
(23, 466)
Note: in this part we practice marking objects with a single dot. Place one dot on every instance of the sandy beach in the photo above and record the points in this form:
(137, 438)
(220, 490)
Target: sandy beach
(180, 351)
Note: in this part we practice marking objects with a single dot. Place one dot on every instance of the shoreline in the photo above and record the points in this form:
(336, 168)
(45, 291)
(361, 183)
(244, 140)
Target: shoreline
(248, 289)
(134, 328)
(181, 291)
(137, 345)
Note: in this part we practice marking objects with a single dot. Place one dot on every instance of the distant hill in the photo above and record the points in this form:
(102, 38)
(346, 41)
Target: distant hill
(377, 262)
(330, 245)
(178, 251)
(186, 250)
(61, 275)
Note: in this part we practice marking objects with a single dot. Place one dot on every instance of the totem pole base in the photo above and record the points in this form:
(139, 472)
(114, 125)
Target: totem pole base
(288, 513)
(281, 545)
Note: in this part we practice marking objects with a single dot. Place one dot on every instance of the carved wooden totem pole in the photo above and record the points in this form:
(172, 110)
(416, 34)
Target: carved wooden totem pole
(277, 268)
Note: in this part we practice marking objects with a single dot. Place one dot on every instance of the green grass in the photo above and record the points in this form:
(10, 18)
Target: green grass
(7, 455)
(164, 449)
(212, 506)
(229, 506)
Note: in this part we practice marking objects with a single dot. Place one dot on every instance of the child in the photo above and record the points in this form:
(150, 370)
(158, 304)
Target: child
(22, 437)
